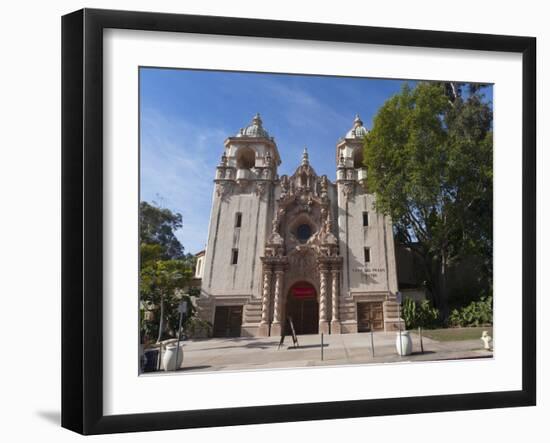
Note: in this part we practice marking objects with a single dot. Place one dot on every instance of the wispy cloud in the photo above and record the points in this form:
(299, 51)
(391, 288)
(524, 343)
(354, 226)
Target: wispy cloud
(177, 169)
(302, 109)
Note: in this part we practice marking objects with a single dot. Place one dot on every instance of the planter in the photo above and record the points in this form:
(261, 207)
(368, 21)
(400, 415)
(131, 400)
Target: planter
(151, 360)
(403, 344)
(169, 358)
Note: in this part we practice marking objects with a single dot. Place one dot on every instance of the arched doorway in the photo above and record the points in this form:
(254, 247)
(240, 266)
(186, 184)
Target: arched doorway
(303, 308)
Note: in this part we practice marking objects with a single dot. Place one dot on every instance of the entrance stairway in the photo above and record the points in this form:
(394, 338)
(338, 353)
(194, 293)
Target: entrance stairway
(253, 311)
(347, 309)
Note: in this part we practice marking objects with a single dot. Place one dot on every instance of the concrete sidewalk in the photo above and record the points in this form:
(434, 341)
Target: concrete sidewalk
(231, 354)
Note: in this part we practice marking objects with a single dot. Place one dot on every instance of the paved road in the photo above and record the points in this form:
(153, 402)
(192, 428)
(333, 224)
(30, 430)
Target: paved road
(222, 354)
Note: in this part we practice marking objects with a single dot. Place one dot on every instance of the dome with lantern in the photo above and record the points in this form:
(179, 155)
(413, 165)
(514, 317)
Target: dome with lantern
(255, 129)
(358, 130)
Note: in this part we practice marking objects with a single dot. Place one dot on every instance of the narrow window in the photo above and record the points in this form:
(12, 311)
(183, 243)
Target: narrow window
(234, 256)
(367, 255)
(365, 218)
(238, 219)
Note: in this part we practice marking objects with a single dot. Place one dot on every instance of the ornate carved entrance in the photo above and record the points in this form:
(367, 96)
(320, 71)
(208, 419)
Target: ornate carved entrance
(303, 308)
(302, 246)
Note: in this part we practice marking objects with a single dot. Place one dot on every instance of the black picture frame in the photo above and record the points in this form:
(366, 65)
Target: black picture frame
(82, 215)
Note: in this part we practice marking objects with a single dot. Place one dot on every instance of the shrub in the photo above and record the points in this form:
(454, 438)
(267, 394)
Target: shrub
(149, 331)
(197, 328)
(420, 314)
(477, 313)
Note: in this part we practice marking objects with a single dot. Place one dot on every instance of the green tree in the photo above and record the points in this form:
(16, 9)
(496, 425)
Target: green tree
(165, 271)
(161, 283)
(157, 226)
(429, 159)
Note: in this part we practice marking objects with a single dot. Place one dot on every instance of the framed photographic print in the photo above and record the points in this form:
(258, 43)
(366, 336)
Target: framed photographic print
(269, 221)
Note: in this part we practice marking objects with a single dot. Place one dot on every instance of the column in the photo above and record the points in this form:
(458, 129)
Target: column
(335, 327)
(323, 321)
(266, 295)
(276, 325)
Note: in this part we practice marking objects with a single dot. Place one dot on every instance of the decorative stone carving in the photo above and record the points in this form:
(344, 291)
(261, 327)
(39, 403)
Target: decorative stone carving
(275, 245)
(323, 321)
(260, 188)
(291, 185)
(348, 189)
(335, 286)
(324, 215)
(306, 206)
(305, 158)
(284, 186)
(277, 296)
(324, 187)
(302, 261)
(323, 296)
(223, 189)
(266, 294)
(341, 161)
(275, 224)
(330, 246)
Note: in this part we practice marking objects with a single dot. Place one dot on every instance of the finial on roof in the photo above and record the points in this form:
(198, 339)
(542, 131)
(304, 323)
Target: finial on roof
(305, 157)
(257, 120)
(357, 122)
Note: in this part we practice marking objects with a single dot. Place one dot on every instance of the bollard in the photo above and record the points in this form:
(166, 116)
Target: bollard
(159, 363)
(178, 345)
(322, 347)
(400, 338)
(372, 342)
(421, 343)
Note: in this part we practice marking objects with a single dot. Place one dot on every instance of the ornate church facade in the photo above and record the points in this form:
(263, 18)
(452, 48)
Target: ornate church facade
(296, 247)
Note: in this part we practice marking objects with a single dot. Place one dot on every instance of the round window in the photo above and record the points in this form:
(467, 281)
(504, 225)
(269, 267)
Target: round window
(303, 232)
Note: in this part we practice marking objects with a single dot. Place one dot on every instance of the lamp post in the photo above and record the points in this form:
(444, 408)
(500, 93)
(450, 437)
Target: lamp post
(182, 309)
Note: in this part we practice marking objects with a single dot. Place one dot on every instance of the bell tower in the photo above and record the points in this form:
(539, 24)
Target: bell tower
(366, 241)
(241, 210)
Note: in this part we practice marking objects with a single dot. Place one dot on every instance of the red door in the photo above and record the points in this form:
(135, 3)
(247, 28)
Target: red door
(303, 309)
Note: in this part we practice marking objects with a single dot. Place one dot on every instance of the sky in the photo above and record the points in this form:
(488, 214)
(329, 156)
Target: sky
(185, 116)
